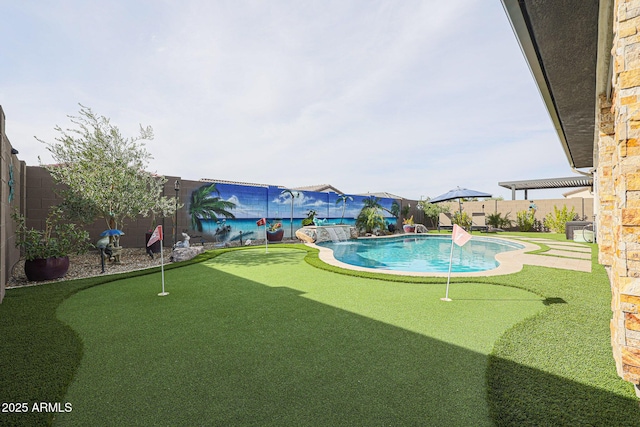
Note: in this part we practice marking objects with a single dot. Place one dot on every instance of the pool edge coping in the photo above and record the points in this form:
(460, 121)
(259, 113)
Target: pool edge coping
(509, 262)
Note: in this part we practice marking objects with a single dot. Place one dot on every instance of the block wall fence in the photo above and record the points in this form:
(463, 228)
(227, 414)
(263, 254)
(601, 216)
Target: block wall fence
(35, 195)
(583, 207)
(12, 197)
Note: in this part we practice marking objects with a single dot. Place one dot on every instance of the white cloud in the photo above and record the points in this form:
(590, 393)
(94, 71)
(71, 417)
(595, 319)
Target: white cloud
(411, 97)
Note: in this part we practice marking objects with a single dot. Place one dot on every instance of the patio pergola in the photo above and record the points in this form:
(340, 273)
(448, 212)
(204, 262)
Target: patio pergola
(543, 184)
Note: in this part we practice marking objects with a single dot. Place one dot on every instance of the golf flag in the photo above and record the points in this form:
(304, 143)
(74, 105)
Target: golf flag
(259, 223)
(157, 235)
(458, 237)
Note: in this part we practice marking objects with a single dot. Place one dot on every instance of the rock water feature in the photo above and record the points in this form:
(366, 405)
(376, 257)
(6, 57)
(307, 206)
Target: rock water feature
(323, 233)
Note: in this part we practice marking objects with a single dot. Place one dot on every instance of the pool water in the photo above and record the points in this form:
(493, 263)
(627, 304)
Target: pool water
(428, 254)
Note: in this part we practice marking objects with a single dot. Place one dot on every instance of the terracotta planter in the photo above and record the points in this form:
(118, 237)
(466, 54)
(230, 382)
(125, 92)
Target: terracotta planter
(46, 269)
(275, 236)
(409, 228)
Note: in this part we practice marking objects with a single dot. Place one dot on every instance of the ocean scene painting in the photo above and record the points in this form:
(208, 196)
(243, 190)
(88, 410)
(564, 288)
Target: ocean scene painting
(226, 212)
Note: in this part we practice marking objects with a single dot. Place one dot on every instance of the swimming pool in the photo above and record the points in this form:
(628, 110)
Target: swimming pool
(427, 254)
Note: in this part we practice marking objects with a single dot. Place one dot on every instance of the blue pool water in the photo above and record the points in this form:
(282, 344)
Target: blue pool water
(429, 254)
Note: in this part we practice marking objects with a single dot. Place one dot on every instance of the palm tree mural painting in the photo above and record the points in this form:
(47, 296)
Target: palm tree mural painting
(370, 216)
(205, 206)
(342, 198)
(292, 195)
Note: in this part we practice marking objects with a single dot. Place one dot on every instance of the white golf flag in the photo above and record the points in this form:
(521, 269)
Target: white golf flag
(459, 236)
(157, 235)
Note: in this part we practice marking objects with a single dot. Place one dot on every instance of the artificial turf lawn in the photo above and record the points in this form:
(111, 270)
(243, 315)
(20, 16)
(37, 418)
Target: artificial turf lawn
(554, 368)
(264, 339)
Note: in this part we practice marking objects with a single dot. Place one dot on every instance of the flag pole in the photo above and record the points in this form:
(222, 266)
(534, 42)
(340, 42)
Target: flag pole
(446, 297)
(266, 240)
(163, 293)
(459, 237)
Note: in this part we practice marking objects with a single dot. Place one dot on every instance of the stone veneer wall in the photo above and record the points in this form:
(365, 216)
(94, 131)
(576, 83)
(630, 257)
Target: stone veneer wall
(618, 178)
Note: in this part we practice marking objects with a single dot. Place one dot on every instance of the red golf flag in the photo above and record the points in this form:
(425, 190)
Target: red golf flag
(261, 221)
(459, 236)
(157, 235)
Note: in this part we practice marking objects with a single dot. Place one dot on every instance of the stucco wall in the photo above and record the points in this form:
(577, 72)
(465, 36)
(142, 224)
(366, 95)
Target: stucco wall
(40, 196)
(12, 173)
(583, 207)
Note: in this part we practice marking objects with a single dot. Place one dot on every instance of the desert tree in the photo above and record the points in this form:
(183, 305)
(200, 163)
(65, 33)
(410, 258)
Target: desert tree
(104, 174)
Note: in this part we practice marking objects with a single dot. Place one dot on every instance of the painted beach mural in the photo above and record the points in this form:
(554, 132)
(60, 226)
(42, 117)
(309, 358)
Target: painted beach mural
(224, 212)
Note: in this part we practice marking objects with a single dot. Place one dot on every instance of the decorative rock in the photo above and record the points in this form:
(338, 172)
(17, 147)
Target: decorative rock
(184, 254)
(306, 234)
(314, 234)
(420, 228)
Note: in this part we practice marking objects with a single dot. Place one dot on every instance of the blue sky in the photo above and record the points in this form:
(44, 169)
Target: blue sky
(412, 97)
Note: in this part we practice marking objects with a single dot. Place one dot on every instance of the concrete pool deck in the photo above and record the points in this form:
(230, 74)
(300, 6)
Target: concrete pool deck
(564, 255)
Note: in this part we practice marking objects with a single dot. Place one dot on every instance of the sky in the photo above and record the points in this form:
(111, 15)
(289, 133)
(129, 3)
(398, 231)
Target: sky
(410, 97)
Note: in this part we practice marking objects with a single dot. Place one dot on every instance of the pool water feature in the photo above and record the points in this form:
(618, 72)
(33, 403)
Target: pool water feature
(338, 234)
(427, 254)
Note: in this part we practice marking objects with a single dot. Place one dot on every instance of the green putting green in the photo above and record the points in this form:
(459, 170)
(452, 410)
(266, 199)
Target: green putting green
(255, 338)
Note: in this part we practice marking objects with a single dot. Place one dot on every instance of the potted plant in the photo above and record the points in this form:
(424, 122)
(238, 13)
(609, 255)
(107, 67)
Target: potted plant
(408, 225)
(275, 232)
(46, 252)
(309, 219)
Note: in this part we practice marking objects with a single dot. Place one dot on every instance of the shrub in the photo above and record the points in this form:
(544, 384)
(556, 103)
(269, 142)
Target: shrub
(557, 220)
(462, 219)
(496, 220)
(525, 220)
(60, 237)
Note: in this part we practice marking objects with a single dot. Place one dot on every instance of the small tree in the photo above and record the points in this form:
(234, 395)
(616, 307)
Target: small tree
(103, 173)
(462, 219)
(525, 220)
(557, 220)
(432, 211)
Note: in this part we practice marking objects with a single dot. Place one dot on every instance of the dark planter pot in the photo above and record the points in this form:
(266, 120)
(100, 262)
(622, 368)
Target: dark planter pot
(155, 247)
(46, 269)
(275, 236)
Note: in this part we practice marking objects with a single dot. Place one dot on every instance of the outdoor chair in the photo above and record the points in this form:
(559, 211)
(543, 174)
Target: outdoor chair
(478, 222)
(445, 221)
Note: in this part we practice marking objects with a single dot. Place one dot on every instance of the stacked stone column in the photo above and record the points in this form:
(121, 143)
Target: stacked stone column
(619, 189)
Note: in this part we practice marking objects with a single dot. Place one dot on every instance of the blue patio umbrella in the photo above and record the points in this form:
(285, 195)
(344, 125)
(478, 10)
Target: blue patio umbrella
(459, 193)
(111, 232)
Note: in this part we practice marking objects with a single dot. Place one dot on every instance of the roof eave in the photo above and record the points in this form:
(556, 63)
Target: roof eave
(561, 45)
(528, 47)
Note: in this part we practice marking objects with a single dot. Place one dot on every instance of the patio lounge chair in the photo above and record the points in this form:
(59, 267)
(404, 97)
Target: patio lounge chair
(445, 221)
(478, 222)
